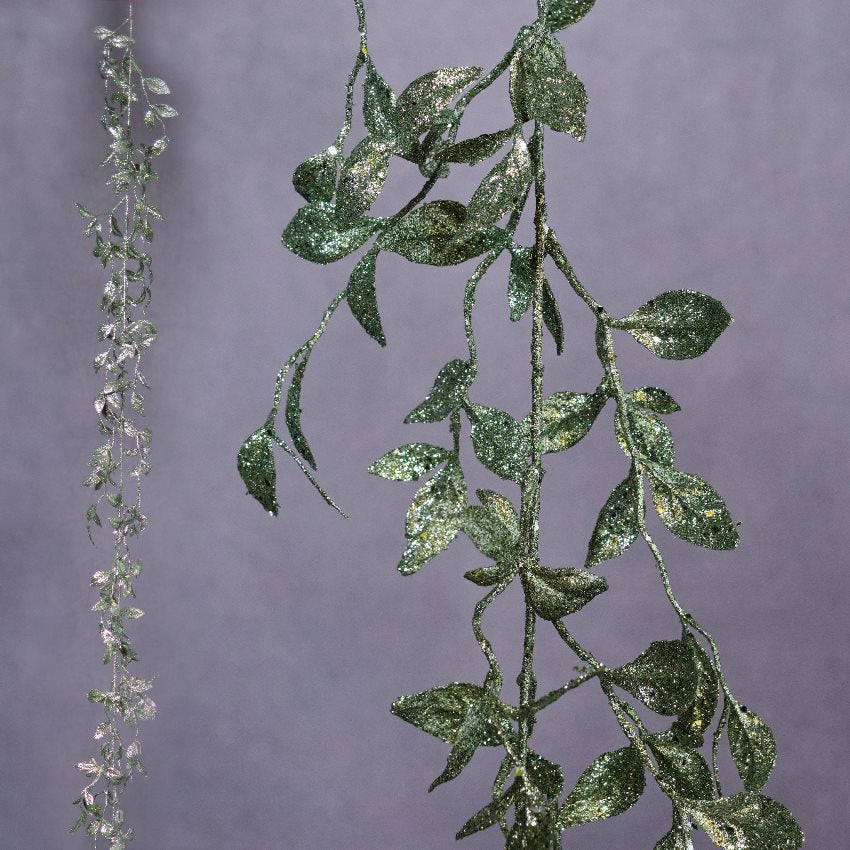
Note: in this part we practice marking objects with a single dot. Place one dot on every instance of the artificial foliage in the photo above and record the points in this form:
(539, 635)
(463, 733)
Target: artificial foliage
(680, 677)
(132, 108)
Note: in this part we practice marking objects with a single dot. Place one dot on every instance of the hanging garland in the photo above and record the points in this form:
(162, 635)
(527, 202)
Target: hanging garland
(121, 237)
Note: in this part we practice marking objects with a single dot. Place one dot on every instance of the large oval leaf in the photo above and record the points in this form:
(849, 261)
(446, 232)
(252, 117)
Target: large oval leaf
(314, 235)
(556, 593)
(682, 769)
(641, 431)
(664, 677)
(748, 822)
(752, 745)
(255, 463)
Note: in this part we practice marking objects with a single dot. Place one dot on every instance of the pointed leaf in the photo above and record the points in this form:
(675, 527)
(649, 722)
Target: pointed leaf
(556, 593)
(498, 442)
(692, 509)
(423, 101)
(447, 394)
(693, 722)
(682, 769)
(654, 399)
(475, 150)
(293, 414)
(313, 234)
(255, 463)
(156, 85)
(315, 179)
(752, 745)
(618, 525)
(361, 180)
(664, 677)
(489, 576)
(563, 13)
(552, 318)
(566, 418)
(521, 282)
(747, 822)
(439, 711)
(649, 437)
(489, 815)
(677, 325)
(410, 462)
(378, 105)
(486, 530)
(363, 300)
(611, 785)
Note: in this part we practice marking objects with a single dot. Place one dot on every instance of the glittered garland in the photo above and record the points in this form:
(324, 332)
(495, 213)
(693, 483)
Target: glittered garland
(117, 466)
(681, 678)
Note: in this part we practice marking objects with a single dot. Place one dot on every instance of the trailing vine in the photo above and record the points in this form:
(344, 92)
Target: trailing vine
(681, 678)
(118, 464)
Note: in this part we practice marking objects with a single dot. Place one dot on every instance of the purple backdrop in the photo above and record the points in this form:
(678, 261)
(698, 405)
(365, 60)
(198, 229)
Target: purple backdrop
(716, 159)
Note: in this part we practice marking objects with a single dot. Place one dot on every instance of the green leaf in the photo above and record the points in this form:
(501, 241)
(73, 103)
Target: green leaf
(683, 770)
(156, 86)
(475, 150)
(664, 677)
(747, 822)
(315, 179)
(91, 515)
(84, 213)
(409, 462)
(752, 745)
(102, 33)
(493, 526)
(500, 191)
(552, 318)
(163, 110)
(362, 299)
(361, 180)
(545, 775)
(521, 282)
(447, 393)
(679, 837)
(313, 234)
(489, 815)
(434, 517)
(293, 414)
(429, 235)
(693, 722)
(563, 13)
(654, 399)
(255, 463)
(543, 89)
(677, 325)
(618, 525)
(611, 785)
(498, 442)
(378, 105)
(439, 711)
(692, 509)
(556, 593)
(650, 438)
(566, 418)
(494, 574)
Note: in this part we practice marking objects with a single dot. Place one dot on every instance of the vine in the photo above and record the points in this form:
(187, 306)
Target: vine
(681, 678)
(117, 466)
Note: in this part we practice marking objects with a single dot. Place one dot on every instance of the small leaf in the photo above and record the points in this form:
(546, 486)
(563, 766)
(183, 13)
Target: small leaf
(747, 822)
(677, 325)
(475, 150)
(314, 235)
(489, 815)
(664, 677)
(521, 282)
(122, 41)
(156, 86)
(563, 13)
(429, 235)
(102, 33)
(566, 418)
(361, 180)
(84, 213)
(488, 576)
(439, 711)
(163, 110)
(752, 745)
(488, 532)
(693, 722)
(293, 414)
(91, 515)
(378, 105)
(648, 436)
(498, 442)
(362, 298)
(654, 399)
(409, 462)
(447, 394)
(692, 509)
(255, 463)
(552, 318)
(556, 593)
(315, 179)
(618, 525)
(611, 785)
(683, 770)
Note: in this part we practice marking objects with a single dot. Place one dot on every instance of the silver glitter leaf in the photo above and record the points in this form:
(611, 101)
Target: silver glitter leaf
(692, 509)
(156, 85)
(434, 517)
(747, 822)
(488, 816)
(362, 177)
(255, 463)
(521, 294)
(409, 462)
(475, 150)
(498, 441)
(378, 105)
(679, 838)
(447, 394)
(618, 525)
(490, 536)
(692, 723)
(566, 418)
(655, 399)
(677, 325)
(293, 414)
(552, 318)
(315, 179)
(489, 576)
(500, 191)
(440, 711)
(314, 235)
(543, 89)
(664, 677)
(611, 785)
(362, 299)
(683, 770)
(563, 13)
(423, 101)
(556, 593)
(648, 435)
(429, 235)
(752, 745)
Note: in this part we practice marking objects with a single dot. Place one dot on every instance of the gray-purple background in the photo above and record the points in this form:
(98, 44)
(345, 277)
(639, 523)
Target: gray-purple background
(716, 159)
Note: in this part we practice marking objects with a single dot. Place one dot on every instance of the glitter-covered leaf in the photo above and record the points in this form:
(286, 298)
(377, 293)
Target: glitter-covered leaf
(293, 414)
(314, 235)
(556, 593)
(447, 394)
(434, 516)
(752, 745)
(611, 785)
(566, 418)
(693, 722)
(654, 399)
(552, 318)
(692, 509)
(315, 179)
(563, 13)
(664, 677)
(475, 150)
(410, 462)
(682, 769)
(362, 299)
(618, 525)
(521, 294)
(498, 441)
(488, 816)
(489, 576)
(378, 105)
(500, 191)
(747, 822)
(642, 431)
(677, 325)
(429, 235)
(543, 89)
(362, 177)
(255, 463)
(492, 526)
(679, 837)
(440, 711)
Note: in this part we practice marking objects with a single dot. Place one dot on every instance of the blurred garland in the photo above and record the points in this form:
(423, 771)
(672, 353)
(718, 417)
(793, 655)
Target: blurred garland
(681, 678)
